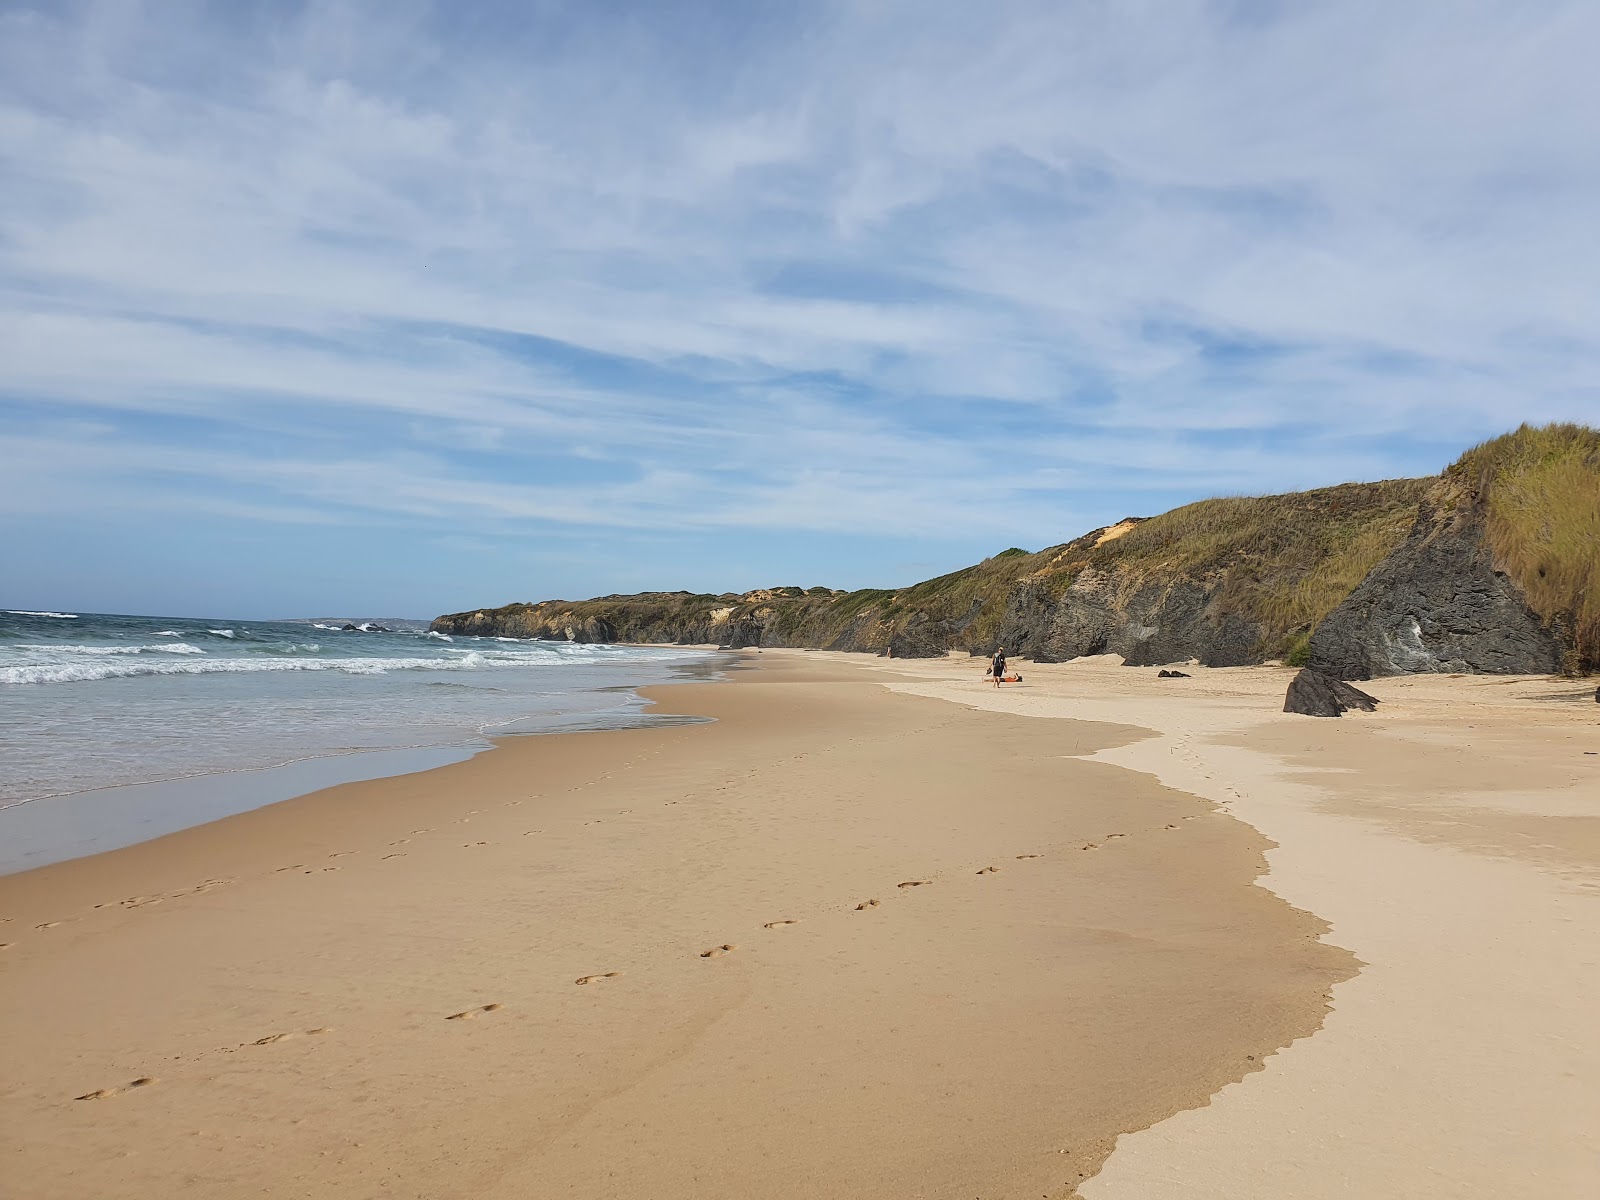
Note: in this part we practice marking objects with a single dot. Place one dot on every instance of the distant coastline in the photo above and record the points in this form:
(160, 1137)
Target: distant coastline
(1489, 567)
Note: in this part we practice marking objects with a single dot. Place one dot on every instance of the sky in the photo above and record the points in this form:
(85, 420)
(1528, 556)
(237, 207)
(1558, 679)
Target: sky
(403, 308)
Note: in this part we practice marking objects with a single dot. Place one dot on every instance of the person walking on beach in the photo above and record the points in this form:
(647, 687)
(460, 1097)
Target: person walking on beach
(997, 665)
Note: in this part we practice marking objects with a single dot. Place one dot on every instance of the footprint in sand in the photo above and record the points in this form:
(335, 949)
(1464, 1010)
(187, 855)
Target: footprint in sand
(5, 945)
(1109, 836)
(468, 1014)
(866, 904)
(986, 870)
(290, 867)
(581, 979)
(396, 854)
(1090, 846)
(48, 925)
(779, 924)
(1171, 826)
(914, 883)
(531, 832)
(401, 842)
(284, 1037)
(343, 853)
(470, 845)
(414, 832)
(107, 1093)
(718, 951)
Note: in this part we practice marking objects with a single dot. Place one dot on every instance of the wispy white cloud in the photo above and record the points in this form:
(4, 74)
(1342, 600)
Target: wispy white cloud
(897, 266)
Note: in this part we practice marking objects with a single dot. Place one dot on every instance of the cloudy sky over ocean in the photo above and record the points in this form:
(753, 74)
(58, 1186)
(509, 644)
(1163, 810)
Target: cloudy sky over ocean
(400, 308)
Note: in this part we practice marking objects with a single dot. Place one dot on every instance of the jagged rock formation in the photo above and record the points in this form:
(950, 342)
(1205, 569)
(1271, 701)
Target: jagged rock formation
(1314, 694)
(1494, 566)
(1437, 604)
(1499, 575)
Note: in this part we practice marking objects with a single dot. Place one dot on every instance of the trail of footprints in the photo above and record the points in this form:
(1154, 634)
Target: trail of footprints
(469, 1014)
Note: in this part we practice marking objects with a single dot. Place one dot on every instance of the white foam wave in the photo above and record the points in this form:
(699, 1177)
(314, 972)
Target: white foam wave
(227, 633)
(443, 637)
(320, 625)
(166, 633)
(22, 612)
(121, 667)
(163, 648)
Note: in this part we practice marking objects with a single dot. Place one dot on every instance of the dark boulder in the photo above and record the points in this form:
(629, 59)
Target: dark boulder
(1314, 694)
(1172, 675)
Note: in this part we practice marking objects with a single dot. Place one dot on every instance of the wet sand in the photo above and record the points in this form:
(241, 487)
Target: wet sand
(1453, 841)
(842, 942)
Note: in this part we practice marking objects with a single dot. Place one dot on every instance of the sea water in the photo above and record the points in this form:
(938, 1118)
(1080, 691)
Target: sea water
(107, 722)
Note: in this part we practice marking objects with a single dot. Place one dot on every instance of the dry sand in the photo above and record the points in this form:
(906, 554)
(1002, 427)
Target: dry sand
(839, 943)
(647, 964)
(1453, 841)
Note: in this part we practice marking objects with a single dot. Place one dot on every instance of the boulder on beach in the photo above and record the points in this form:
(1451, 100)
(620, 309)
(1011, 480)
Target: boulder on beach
(1313, 694)
(1172, 675)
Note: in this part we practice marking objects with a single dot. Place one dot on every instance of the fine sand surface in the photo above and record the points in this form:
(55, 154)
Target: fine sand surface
(843, 942)
(1453, 841)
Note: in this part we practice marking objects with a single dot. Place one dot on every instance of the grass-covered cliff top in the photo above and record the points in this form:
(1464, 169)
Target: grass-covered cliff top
(1540, 492)
(1281, 563)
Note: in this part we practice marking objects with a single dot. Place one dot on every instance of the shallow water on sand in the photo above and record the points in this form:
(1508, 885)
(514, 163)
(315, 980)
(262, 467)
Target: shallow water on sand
(91, 702)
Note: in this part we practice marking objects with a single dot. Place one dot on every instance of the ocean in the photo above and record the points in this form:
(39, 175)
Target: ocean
(114, 728)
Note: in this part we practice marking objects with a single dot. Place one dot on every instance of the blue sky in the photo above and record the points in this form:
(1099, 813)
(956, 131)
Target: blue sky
(404, 308)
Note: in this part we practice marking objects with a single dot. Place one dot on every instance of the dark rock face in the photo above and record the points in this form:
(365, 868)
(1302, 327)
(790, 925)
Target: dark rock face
(1314, 694)
(1435, 605)
(1163, 621)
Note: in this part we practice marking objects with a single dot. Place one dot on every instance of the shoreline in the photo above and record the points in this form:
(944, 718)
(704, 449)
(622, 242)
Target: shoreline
(44, 830)
(1059, 952)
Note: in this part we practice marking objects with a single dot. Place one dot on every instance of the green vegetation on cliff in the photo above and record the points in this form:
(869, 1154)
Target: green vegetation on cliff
(1278, 563)
(1228, 580)
(1540, 490)
(1281, 562)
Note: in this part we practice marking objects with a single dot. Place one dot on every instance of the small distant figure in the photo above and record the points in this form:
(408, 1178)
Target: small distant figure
(997, 666)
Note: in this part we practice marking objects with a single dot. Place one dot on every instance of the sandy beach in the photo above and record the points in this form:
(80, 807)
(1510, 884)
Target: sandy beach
(879, 930)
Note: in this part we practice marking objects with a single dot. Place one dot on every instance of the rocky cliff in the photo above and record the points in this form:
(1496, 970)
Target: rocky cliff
(1490, 567)
(1499, 575)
